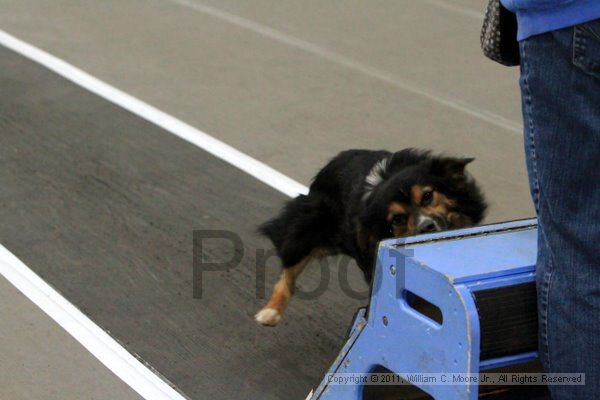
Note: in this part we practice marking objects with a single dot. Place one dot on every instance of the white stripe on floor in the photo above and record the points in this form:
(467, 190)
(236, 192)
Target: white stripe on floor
(110, 353)
(459, 9)
(459, 105)
(124, 365)
(221, 150)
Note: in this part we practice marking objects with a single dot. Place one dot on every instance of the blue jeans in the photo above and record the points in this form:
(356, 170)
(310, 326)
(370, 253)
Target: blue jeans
(560, 87)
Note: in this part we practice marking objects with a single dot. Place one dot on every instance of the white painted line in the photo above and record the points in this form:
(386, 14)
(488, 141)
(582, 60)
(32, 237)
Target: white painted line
(457, 8)
(85, 331)
(128, 368)
(459, 105)
(251, 166)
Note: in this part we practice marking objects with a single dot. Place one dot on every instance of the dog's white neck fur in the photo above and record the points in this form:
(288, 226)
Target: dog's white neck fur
(375, 176)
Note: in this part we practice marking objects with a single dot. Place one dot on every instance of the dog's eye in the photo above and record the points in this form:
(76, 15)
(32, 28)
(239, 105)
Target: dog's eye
(427, 198)
(399, 219)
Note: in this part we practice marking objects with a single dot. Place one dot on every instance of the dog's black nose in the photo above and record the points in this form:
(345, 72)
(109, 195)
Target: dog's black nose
(427, 227)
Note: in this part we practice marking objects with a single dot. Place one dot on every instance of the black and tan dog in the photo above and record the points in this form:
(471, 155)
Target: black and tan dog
(362, 197)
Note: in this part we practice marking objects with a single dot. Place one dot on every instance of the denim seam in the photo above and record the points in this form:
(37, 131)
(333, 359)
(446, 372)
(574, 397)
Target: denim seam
(578, 48)
(547, 277)
(530, 129)
(546, 286)
(579, 59)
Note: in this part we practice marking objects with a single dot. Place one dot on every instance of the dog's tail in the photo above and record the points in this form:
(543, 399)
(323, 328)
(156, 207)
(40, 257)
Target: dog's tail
(304, 224)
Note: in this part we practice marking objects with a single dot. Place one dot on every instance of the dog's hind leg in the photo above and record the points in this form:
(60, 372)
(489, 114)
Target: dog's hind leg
(300, 233)
(271, 313)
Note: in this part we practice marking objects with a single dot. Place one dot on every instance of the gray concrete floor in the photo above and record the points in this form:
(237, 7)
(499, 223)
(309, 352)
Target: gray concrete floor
(292, 108)
(290, 83)
(102, 205)
(39, 360)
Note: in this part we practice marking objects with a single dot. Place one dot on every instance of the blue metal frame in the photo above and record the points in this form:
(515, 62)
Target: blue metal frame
(443, 268)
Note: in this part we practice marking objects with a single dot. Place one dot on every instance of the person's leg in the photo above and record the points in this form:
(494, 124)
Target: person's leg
(560, 84)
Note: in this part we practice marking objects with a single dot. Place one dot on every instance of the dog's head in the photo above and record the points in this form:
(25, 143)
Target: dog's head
(413, 192)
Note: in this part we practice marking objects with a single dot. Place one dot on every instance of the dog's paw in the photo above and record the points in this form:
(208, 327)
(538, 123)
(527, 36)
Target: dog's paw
(267, 317)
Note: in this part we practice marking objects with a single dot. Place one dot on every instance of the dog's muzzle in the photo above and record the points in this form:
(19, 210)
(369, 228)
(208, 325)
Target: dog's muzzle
(426, 224)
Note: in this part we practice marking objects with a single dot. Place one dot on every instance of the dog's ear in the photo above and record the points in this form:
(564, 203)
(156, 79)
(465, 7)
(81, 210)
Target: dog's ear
(372, 219)
(450, 166)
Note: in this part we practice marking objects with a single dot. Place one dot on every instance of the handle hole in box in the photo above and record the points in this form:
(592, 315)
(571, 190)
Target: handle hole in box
(385, 389)
(423, 307)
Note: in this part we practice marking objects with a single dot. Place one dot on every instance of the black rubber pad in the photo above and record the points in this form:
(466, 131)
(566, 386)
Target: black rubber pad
(508, 320)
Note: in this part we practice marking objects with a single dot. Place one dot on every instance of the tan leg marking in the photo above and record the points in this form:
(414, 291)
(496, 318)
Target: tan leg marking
(283, 291)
